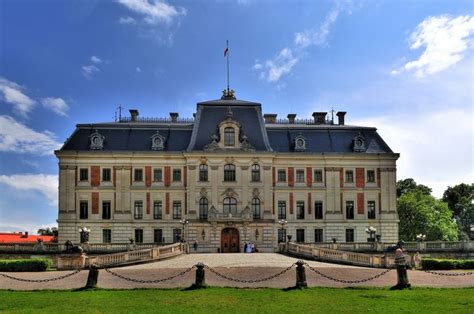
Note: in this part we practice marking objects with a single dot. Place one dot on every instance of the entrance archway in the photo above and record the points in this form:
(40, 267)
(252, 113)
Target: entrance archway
(230, 240)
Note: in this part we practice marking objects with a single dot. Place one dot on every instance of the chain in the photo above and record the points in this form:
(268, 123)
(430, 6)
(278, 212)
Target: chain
(250, 280)
(348, 281)
(448, 274)
(149, 281)
(41, 280)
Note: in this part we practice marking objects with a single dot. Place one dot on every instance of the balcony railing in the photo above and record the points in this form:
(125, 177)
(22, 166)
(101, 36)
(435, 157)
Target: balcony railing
(239, 216)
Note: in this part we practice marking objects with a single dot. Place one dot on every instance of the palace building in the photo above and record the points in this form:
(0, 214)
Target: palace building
(228, 176)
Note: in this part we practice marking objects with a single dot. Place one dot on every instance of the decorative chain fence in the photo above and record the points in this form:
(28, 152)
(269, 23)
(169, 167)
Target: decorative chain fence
(347, 281)
(42, 280)
(250, 280)
(448, 274)
(149, 281)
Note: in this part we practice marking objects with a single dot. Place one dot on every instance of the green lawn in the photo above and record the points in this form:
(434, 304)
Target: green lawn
(231, 300)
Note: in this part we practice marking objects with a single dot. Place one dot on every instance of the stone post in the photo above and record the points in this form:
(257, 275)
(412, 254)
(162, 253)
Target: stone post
(402, 277)
(200, 276)
(92, 278)
(300, 275)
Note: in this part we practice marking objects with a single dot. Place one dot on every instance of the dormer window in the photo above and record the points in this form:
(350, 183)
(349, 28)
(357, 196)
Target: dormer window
(229, 137)
(300, 143)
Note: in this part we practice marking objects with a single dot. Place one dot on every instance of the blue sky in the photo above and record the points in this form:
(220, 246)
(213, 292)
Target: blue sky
(405, 67)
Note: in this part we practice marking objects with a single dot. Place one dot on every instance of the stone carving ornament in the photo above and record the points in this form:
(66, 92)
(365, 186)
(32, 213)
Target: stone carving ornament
(158, 141)
(358, 143)
(96, 141)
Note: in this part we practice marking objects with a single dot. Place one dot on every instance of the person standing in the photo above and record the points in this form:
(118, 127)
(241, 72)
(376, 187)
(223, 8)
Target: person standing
(195, 245)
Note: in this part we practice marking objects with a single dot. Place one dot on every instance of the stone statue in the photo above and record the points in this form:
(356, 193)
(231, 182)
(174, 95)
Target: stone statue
(71, 248)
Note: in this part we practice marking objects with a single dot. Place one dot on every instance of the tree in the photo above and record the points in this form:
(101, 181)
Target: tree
(409, 185)
(48, 231)
(460, 199)
(421, 213)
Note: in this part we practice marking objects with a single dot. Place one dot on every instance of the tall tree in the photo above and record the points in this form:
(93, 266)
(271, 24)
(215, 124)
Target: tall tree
(409, 185)
(421, 213)
(460, 199)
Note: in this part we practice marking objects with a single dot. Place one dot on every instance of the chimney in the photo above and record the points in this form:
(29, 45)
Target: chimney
(291, 117)
(174, 117)
(319, 117)
(270, 117)
(26, 234)
(134, 115)
(340, 117)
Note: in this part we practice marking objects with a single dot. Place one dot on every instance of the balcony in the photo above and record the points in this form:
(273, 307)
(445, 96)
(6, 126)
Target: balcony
(240, 216)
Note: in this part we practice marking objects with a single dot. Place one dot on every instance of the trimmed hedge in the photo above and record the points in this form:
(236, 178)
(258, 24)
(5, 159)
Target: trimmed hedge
(34, 264)
(445, 264)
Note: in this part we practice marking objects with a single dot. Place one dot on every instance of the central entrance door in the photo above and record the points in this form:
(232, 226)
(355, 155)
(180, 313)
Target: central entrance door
(230, 240)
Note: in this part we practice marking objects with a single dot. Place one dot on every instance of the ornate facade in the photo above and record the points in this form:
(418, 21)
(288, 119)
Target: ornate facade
(230, 175)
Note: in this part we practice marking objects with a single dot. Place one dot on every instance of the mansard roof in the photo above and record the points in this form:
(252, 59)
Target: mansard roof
(193, 135)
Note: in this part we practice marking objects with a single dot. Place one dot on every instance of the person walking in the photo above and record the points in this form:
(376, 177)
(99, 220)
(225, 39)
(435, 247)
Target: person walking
(195, 245)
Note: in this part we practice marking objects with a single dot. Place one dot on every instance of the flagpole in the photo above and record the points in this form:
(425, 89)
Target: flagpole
(228, 55)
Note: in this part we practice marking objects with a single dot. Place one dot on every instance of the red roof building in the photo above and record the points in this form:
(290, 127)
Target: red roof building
(22, 237)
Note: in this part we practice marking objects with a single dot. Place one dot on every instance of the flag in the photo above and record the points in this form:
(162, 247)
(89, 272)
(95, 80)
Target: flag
(226, 51)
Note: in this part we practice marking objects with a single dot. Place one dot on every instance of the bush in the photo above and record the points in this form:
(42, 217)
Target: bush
(34, 264)
(445, 264)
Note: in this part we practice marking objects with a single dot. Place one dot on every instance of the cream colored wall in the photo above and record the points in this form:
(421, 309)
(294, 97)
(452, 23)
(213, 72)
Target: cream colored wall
(125, 193)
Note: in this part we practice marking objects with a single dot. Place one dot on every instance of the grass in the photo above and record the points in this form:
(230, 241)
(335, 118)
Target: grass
(233, 300)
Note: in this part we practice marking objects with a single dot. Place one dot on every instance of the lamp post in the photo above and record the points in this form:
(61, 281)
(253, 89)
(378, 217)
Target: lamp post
(421, 237)
(183, 222)
(371, 232)
(84, 234)
(282, 223)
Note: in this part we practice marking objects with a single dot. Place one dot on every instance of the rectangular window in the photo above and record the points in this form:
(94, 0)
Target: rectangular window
(349, 209)
(138, 175)
(300, 235)
(371, 209)
(106, 210)
(158, 235)
(229, 137)
(83, 210)
(157, 175)
(157, 209)
(318, 210)
(300, 176)
(318, 176)
(138, 235)
(349, 235)
(106, 174)
(318, 235)
(83, 174)
(176, 235)
(176, 209)
(229, 173)
(176, 175)
(138, 210)
(106, 236)
(281, 175)
(281, 235)
(370, 176)
(281, 210)
(349, 176)
(299, 210)
(203, 172)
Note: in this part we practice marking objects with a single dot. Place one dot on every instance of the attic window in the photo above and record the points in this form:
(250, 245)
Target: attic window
(229, 136)
(300, 143)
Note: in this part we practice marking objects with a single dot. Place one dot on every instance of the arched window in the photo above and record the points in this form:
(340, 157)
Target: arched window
(203, 208)
(256, 208)
(203, 172)
(229, 173)
(230, 205)
(229, 137)
(255, 173)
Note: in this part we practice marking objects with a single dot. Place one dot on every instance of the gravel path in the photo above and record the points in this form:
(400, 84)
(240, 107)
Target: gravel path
(234, 266)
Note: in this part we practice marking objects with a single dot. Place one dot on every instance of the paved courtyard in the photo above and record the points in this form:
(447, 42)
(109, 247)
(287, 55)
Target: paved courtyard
(238, 266)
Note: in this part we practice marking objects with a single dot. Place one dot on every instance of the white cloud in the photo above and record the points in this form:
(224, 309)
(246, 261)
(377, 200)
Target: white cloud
(432, 151)
(446, 39)
(288, 57)
(89, 70)
(12, 93)
(127, 20)
(95, 59)
(18, 138)
(280, 65)
(32, 228)
(154, 11)
(138, 69)
(46, 184)
(319, 37)
(57, 105)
